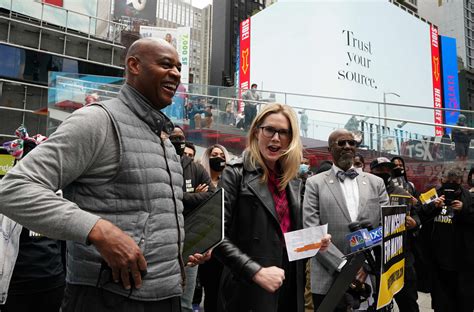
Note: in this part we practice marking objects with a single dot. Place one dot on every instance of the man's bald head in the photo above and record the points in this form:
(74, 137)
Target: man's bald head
(337, 133)
(143, 46)
(153, 69)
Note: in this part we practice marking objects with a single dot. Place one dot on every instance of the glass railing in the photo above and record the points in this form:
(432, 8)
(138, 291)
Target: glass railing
(211, 114)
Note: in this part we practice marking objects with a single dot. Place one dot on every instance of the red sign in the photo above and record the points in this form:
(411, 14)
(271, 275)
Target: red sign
(436, 70)
(244, 70)
(58, 3)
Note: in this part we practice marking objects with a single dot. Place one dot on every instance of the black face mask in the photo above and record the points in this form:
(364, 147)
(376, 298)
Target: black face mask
(179, 147)
(217, 163)
(451, 186)
(398, 172)
(386, 177)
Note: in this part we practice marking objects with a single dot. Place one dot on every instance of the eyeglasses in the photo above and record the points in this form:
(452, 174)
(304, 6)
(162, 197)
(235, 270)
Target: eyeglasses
(269, 132)
(343, 143)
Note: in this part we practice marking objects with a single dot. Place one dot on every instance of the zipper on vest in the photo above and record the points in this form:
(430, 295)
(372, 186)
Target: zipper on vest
(180, 258)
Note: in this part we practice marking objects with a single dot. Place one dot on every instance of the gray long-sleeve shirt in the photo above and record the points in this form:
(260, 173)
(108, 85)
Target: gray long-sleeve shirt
(84, 149)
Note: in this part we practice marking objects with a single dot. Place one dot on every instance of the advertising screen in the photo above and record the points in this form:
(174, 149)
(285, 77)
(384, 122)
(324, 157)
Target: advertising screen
(180, 39)
(55, 12)
(355, 51)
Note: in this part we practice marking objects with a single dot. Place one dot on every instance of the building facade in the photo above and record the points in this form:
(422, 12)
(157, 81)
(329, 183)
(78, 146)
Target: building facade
(455, 18)
(227, 16)
(181, 13)
(32, 47)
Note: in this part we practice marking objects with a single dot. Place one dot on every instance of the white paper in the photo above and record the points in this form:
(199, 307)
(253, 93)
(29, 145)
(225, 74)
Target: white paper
(304, 243)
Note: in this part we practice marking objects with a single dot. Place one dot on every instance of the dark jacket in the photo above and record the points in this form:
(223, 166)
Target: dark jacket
(253, 238)
(193, 175)
(462, 232)
(461, 136)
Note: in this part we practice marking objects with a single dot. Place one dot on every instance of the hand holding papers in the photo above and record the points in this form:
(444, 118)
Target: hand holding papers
(429, 196)
(304, 243)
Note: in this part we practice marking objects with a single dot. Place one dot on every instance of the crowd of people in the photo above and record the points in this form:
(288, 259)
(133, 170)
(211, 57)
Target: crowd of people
(129, 179)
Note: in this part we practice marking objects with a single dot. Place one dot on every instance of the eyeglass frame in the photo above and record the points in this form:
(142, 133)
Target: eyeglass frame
(285, 132)
(351, 143)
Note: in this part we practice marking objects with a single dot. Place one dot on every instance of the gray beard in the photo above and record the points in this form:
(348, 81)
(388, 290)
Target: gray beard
(345, 162)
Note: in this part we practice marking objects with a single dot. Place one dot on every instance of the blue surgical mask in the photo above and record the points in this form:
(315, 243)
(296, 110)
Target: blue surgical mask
(303, 168)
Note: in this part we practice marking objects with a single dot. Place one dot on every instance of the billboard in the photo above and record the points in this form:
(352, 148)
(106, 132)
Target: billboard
(57, 15)
(179, 37)
(368, 51)
(450, 80)
(244, 69)
(136, 10)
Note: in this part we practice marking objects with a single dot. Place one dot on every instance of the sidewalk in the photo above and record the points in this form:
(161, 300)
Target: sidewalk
(424, 302)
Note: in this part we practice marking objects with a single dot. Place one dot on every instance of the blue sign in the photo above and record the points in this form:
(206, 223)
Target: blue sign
(449, 67)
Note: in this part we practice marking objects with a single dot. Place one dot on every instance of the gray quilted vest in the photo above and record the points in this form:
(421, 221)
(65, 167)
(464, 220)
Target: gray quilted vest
(139, 200)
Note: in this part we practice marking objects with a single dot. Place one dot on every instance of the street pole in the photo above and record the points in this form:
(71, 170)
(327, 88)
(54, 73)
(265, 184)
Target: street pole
(384, 113)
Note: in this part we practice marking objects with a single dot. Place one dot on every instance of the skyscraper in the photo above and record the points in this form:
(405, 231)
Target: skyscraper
(227, 15)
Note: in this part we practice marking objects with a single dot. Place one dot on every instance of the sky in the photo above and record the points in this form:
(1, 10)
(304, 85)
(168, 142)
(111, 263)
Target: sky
(201, 3)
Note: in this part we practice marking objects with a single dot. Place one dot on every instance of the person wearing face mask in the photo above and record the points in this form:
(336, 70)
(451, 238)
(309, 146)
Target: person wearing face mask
(214, 161)
(359, 163)
(303, 171)
(400, 176)
(462, 139)
(197, 188)
(382, 167)
(452, 244)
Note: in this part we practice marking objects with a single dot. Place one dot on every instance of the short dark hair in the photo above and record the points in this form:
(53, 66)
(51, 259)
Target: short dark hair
(253, 85)
(360, 157)
(191, 146)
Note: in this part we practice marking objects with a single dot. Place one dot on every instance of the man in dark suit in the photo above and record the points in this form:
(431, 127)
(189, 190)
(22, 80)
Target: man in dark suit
(338, 197)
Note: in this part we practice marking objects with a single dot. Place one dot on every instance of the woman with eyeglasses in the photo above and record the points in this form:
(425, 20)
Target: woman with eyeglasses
(262, 202)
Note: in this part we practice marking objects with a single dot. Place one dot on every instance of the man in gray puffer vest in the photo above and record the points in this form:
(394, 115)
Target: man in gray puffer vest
(122, 182)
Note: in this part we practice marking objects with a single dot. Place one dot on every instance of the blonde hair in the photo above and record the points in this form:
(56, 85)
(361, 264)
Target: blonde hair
(207, 153)
(291, 158)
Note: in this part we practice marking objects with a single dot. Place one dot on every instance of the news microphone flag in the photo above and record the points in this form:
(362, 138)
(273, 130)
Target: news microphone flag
(359, 239)
(376, 235)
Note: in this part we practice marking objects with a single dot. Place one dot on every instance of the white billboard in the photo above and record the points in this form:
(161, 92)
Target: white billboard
(74, 14)
(179, 37)
(364, 50)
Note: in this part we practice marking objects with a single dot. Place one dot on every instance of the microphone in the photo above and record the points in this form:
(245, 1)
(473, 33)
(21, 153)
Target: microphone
(360, 238)
(375, 234)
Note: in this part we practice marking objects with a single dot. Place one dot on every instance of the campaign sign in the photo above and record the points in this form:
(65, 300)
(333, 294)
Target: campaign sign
(393, 253)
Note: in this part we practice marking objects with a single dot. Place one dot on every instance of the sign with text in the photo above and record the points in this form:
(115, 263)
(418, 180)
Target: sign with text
(393, 253)
(6, 163)
(244, 70)
(450, 80)
(436, 73)
(179, 38)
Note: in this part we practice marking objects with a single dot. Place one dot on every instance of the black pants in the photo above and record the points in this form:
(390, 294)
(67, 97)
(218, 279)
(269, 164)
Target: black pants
(48, 301)
(287, 295)
(407, 297)
(452, 291)
(87, 299)
(210, 277)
